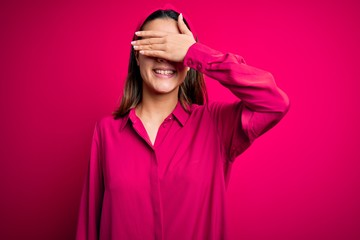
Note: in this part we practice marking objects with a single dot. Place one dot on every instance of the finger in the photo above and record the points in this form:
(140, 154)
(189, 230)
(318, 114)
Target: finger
(182, 26)
(148, 41)
(150, 47)
(154, 53)
(151, 34)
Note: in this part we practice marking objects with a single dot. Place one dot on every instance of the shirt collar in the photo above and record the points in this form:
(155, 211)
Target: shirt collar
(124, 120)
(179, 112)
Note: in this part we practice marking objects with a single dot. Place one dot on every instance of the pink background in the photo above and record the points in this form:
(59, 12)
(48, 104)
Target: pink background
(62, 68)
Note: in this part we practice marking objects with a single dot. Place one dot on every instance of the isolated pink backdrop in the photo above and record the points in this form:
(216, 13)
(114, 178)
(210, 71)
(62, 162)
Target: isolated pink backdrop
(62, 68)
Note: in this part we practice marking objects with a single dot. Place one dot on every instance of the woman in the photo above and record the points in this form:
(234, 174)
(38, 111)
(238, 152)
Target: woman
(160, 166)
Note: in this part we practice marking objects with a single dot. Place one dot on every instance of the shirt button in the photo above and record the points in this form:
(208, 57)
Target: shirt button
(199, 66)
(189, 62)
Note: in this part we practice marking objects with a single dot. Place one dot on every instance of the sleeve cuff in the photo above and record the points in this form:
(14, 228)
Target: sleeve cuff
(199, 57)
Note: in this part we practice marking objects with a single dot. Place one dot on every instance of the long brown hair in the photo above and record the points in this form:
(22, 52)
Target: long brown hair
(192, 90)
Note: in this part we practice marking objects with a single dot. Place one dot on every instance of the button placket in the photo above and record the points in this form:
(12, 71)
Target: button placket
(156, 198)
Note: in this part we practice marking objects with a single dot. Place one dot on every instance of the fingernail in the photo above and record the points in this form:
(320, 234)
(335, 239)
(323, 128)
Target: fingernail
(181, 16)
(142, 52)
(133, 42)
(137, 33)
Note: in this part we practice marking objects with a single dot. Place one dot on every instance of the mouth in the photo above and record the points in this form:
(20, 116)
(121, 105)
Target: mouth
(164, 73)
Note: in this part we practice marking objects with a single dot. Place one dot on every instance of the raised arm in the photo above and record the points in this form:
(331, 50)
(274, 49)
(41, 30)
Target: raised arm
(261, 105)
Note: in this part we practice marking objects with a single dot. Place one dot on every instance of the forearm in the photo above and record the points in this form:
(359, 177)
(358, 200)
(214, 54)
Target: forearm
(255, 87)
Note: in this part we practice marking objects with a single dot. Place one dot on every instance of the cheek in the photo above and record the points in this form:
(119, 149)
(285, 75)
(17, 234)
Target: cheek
(182, 71)
(144, 65)
(182, 76)
(145, 62)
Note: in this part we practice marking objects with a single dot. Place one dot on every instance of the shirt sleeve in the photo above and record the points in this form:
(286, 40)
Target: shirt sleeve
(261, 103)
(92, 194)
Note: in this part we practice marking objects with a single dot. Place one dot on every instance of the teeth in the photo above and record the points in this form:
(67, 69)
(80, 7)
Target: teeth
(164, 72)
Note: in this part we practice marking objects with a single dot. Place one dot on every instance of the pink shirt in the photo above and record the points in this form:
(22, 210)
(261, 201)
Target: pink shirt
(176, 188)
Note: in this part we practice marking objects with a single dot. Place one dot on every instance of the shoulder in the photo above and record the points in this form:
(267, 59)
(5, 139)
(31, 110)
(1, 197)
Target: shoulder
(195, 108)
(200, 111)
(108, 122)
(211, 106)
(105, 120)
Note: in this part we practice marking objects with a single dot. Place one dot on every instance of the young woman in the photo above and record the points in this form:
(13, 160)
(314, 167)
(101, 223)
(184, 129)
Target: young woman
(160, 165)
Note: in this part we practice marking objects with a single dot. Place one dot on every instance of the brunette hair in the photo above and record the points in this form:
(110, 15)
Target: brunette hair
(192, 90)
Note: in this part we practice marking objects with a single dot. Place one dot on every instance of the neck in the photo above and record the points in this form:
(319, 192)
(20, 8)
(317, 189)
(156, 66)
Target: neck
(156, 107)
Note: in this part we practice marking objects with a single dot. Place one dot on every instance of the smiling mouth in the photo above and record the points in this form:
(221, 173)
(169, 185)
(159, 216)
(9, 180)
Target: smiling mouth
(162, 73)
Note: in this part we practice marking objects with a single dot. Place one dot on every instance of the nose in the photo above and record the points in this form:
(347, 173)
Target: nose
(161, 60)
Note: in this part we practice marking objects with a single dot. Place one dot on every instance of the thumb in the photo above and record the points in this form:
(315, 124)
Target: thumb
(182, 26)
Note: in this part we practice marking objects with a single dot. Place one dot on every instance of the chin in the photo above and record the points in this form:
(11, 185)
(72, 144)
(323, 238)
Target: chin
(162, 86)
(164, 90)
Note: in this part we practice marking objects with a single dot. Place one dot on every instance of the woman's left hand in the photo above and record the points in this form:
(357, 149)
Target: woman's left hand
(169, 46)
